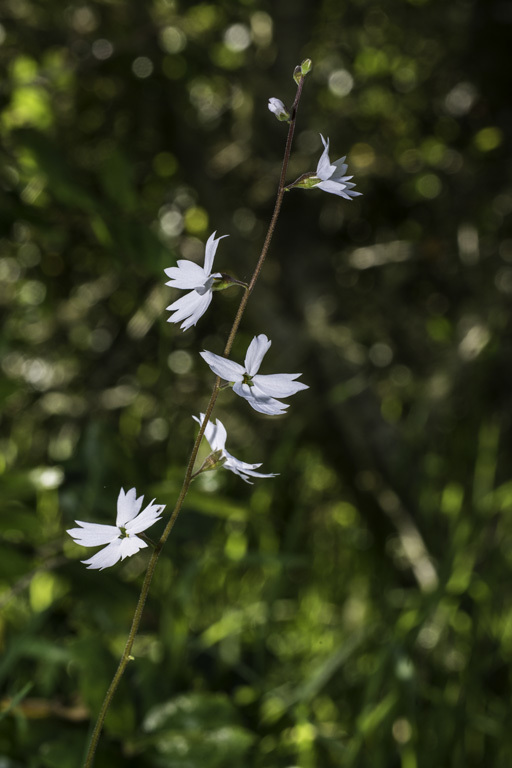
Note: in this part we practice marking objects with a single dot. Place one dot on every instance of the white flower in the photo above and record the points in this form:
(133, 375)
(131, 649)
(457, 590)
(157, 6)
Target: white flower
(121, 539)
(278, 108)
(331, 175)
(260, 391)
(216, 435)
(198, 280)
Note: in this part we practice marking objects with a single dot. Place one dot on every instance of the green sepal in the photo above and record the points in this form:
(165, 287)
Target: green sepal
(306, 183)
(226, 281)
(213, 461)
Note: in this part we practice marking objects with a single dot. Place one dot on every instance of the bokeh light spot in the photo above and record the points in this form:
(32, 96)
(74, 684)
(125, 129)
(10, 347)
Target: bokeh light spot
(172, 39)
(429, 185)
(165, 164)
(341, 82)
(142, 67)
(488, 139)
(460, 99)
(84, 20)
(362, 156)
(102, 49)
(171, 221)
(402, 730)
(261, 27)
(237, 37)
(196, 220)
(180, 361)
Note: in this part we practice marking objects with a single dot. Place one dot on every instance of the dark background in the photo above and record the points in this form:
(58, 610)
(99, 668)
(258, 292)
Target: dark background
(357, 609)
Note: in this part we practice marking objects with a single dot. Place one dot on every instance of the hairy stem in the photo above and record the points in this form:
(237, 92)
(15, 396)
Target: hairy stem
(126, 657)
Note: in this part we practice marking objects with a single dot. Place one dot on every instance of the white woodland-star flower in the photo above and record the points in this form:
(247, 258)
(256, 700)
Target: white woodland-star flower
(121, 539)
(198, 280)
(216, 435)
(332, 175)
(260, 391)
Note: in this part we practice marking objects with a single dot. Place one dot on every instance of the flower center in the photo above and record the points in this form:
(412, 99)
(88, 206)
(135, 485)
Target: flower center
(248, 380)
(124, 534)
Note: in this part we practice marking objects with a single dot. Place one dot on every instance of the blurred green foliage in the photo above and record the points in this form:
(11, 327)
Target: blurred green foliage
(356, 610)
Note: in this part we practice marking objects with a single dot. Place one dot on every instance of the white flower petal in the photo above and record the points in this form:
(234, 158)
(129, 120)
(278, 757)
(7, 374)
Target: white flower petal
(232, 461)
(130, 545)
(243, 469)
(210, 250)
(263, 404)
(146, 518)
(278, 384)
(189, 308)
(186, 275)
(244, 390)
(221, 366)
(324, 169)
(128, 506)
(106, 557)
(237, 471)
(340, 168)
(215, 433)
(256, 351)
(335, 188)
(244, 474)
(202, 289)
(218, 436)
(261, 394)
(268, 406)
(93, 534)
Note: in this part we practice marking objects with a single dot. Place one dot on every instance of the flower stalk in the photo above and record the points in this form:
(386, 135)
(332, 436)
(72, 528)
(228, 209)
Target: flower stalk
(189, 315)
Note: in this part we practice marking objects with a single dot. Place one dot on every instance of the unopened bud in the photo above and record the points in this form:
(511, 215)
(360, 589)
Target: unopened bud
(297, 75)
(278, 108)
(305, 67)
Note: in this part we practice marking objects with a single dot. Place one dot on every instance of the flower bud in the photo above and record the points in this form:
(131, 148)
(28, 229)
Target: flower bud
(297, 74)
(278, 108)
(305, 67)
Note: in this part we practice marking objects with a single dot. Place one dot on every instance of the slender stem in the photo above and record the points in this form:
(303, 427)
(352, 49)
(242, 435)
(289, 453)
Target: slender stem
(273, 221)
(126, 657)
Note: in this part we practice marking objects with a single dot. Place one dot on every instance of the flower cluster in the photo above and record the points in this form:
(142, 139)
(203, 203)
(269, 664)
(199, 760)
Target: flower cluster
(263, 392)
